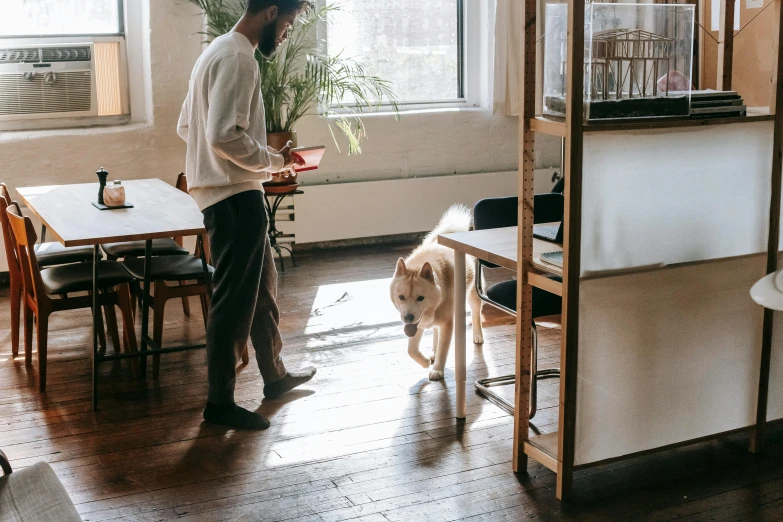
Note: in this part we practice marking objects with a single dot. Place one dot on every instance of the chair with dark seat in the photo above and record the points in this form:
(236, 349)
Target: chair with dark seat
(498, 213)
(187, 271)
(45, 291)
(47, 254)
(135, 249)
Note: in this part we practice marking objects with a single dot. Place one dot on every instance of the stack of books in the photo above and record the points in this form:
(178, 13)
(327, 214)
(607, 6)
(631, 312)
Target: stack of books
(716, 104)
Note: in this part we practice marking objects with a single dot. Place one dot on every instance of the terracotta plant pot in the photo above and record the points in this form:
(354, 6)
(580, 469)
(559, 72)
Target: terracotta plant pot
(278, 140)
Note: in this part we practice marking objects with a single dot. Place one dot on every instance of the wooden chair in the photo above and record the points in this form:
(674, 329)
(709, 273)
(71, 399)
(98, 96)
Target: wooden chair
(182, 184)
(170, 269)
(45, 291)
(48, 254)
(136, 249)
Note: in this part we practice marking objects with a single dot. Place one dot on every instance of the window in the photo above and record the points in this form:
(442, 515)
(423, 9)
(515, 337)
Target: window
(415, 45)
(61, 17)
(62, 63)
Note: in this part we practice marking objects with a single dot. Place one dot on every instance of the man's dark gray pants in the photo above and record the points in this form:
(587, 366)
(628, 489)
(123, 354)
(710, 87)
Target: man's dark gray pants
(244, 293)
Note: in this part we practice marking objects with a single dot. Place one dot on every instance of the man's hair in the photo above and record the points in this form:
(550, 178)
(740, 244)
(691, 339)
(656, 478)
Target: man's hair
(286, 6)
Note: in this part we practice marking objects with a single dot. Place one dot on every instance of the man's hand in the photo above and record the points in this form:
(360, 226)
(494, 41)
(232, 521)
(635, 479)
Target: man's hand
(289, 159)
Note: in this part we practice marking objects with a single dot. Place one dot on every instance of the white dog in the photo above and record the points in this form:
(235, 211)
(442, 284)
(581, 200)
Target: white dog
(423, 292)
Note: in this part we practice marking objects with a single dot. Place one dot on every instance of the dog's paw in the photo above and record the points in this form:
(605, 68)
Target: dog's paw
(425, 363)
(432, 359)
(478, 338)
(435, 375)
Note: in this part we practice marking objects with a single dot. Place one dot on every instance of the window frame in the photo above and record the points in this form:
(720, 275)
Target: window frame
(468, 74)
(120, 25)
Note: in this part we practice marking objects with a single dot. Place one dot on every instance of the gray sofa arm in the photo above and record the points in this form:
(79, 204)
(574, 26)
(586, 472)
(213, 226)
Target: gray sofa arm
(34, 493)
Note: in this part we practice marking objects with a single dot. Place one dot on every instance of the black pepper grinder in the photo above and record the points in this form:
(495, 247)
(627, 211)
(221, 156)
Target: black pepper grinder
(102, 177)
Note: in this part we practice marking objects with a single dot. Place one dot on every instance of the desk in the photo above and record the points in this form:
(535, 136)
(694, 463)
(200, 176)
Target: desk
(498, 246)
(160, 211)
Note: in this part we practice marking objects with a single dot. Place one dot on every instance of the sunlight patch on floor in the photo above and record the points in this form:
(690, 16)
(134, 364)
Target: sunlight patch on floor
(351, 306)
(356, 312)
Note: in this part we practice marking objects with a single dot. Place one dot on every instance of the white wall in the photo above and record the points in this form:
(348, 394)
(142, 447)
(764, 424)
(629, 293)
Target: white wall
(421, 144)
(424, 144)
(146, 148)
(382, 208)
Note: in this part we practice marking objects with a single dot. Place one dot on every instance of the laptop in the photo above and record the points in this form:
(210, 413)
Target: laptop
(552, 233)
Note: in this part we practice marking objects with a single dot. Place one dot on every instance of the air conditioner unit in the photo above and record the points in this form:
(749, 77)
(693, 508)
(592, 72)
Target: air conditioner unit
(47, 82)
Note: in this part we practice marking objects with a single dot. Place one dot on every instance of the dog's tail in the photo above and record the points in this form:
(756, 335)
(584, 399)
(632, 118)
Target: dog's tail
(458, 218)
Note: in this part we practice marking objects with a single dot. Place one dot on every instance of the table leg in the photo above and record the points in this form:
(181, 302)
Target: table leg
(272, 231)
(279, 255)
(460, 331)
(96, 310)
(268, 208)
(145, 304)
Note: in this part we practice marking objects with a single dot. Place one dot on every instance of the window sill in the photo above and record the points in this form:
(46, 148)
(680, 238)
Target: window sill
(69, 128)
(404, 111)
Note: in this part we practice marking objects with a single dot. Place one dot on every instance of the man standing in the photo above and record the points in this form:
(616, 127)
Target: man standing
(223, 124)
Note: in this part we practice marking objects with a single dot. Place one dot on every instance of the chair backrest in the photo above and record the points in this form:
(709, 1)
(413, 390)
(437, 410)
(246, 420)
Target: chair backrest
(25, 238)
(495, 213)
(502, 212)
(548, 208)
(14, 268)
(182, 182)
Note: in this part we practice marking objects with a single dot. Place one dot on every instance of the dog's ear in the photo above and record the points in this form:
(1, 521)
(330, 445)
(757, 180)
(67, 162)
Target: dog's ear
(426, 272)
(401, 268)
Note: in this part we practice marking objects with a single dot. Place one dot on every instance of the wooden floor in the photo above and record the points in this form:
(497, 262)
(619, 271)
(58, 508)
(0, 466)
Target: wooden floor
(370, 440)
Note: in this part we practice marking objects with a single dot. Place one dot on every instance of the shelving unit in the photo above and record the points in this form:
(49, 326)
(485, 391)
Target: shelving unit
(579, 442)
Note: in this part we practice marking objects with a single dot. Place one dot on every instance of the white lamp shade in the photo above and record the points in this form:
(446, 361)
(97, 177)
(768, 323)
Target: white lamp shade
(768, 291)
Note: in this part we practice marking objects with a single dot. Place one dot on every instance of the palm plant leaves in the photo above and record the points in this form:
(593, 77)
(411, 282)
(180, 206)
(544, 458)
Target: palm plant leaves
(300, 79)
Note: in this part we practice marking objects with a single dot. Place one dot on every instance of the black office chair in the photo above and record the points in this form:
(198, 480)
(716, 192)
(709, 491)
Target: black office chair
(502, 212)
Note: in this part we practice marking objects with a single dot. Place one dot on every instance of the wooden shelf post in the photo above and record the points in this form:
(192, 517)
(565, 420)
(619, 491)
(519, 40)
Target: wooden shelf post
(572, 247)
(527, 165)
(726, 45)
(757, 437)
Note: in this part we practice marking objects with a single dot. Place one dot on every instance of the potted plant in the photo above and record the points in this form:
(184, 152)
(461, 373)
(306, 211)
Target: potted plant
(300, 77)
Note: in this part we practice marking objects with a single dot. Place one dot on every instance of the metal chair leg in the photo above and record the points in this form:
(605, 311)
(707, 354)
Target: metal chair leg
(483, 385)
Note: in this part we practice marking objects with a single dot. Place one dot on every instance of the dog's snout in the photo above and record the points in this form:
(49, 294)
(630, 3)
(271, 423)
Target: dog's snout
(408, 318)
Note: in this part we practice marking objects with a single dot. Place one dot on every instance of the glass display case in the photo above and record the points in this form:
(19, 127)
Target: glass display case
(638, 60)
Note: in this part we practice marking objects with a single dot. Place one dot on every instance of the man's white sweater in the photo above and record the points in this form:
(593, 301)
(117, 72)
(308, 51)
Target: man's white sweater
(222, 121)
